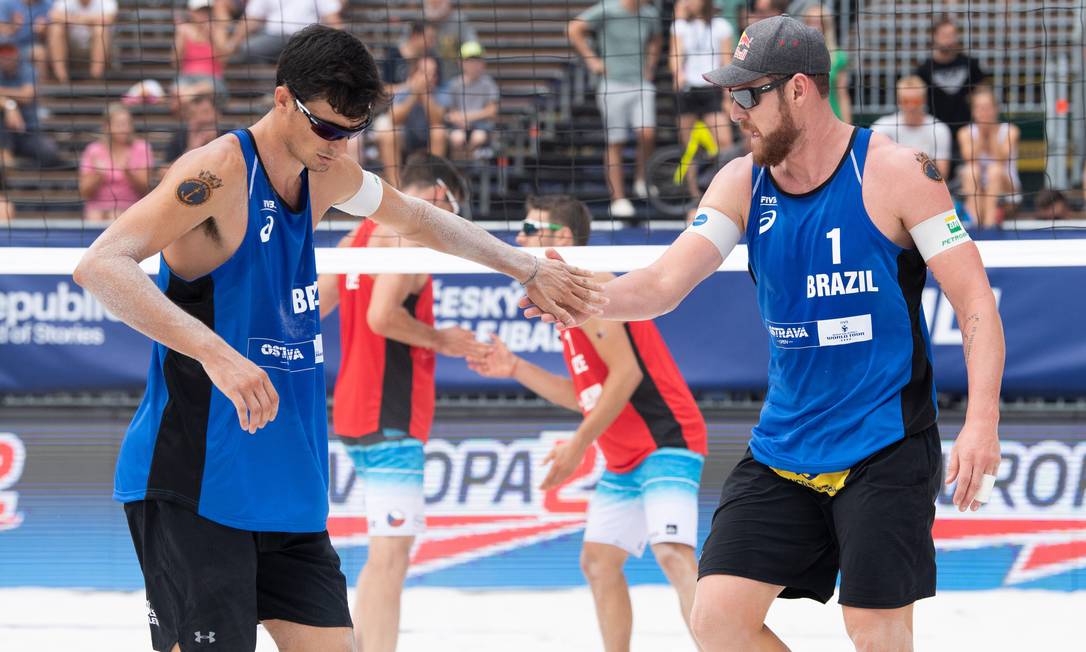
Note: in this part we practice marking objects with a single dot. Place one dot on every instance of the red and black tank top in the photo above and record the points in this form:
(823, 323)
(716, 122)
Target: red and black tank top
(660, 414)
(384, 387)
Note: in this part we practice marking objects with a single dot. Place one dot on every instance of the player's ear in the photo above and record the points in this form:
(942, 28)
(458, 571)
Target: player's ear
(565, 237)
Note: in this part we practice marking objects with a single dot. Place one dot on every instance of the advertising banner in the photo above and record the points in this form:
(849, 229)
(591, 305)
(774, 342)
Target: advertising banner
(489, 525)
(56, 337)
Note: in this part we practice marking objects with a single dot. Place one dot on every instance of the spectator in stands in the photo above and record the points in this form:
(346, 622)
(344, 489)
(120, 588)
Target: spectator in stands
(473, 103)
(202, 44)
(83, 29)
(1052, 205)
(700, 42)
(269, 24)
(201, 125)
(760, 9)
(912, 126)
(820, 17)
(628, 39)
(23, 23)
(115, 170)
(415, 120)
(951, 75)
(451, 29)
(21, 132)
(989, 149)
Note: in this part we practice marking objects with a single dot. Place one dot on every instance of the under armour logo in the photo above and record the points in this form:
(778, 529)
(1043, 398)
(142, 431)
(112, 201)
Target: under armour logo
(265, 233)
(205, 638)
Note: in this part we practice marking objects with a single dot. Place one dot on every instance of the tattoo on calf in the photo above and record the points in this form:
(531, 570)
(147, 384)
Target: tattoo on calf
(195, 191)
(928, 167)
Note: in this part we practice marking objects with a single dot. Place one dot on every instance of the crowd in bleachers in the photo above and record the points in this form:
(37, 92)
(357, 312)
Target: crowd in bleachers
(645, 58)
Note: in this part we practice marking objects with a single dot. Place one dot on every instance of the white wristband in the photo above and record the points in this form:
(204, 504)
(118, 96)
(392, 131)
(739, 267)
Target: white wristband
(716, 227)
(368, 198)
(936, 234)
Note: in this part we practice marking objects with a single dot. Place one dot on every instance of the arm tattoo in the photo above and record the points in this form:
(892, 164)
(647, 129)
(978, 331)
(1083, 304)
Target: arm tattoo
(928, 167)
(971, 324)
(195, 191)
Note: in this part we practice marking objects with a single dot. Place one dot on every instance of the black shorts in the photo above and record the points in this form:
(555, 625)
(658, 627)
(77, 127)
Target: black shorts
(701, 101)
(208, 585)
(876, 530)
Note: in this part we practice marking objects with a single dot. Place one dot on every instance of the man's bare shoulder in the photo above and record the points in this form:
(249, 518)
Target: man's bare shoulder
(899, 168)
(222, 157)
(731, 188)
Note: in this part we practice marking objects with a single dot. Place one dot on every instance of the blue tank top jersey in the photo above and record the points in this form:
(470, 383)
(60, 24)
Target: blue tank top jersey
(849, 356)
(185, 443)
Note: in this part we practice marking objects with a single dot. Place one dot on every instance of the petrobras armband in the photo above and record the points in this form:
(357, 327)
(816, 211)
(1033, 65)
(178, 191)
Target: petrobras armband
(367, 199)
(936, 234)
(716, 227)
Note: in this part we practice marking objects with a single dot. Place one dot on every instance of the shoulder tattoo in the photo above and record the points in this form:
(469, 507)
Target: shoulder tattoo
(195, 191)
(928, 167)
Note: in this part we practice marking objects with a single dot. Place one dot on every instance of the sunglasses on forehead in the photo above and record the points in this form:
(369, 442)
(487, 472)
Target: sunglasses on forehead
(531, 227)
(747, 98)
(330, 130)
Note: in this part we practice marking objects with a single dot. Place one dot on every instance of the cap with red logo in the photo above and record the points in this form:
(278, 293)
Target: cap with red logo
(780, 45)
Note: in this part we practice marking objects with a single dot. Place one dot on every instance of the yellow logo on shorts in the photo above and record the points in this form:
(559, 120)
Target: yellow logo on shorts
(827, 483)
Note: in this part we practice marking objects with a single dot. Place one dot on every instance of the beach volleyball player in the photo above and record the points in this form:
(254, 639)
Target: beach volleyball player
(224, 468)
(845, 461)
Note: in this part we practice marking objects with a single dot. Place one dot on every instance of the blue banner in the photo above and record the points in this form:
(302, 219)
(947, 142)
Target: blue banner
(56, 337)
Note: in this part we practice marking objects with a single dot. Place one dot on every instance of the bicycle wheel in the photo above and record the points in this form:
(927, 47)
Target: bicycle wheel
(670, 198)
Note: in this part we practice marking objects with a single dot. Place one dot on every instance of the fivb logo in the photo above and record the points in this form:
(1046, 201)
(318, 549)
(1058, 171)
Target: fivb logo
(266, 231)
(765, 222)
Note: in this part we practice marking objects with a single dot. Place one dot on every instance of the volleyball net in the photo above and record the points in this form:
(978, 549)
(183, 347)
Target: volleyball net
(544, 115)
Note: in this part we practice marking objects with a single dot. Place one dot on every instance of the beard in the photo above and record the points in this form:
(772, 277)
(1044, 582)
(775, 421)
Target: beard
(776, 146)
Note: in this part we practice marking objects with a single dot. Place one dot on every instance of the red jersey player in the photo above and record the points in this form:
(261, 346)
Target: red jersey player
(638, 407)
(384, 397)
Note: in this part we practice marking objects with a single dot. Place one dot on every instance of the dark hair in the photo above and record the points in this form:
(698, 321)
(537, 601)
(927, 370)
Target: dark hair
(707, 11)
(416, 27)
(424, 169)
(320, 62)
(1048, 198)
(568, 211)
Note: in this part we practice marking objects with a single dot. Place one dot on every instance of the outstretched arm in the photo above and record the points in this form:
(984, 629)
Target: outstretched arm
(698, 252)
(565, 293)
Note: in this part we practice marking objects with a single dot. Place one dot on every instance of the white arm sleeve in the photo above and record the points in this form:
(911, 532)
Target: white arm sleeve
(716, 227)
(936, 234)
(368, 198)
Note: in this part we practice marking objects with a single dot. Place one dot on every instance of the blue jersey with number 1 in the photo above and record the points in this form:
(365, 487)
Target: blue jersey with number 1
(849, 356)
(185, 443)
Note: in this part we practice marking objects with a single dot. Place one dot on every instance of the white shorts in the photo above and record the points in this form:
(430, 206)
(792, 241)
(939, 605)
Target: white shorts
(391, 475)
(656, 502)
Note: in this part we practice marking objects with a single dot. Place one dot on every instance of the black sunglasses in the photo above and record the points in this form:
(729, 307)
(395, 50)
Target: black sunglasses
(747, 98)
(330, 130)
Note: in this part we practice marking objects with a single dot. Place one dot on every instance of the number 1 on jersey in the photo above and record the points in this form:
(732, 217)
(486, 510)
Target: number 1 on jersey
(835, 244)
